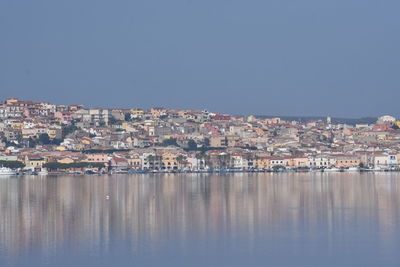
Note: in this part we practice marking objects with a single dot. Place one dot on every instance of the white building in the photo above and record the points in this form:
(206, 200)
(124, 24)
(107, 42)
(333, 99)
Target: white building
(386, 119)
(385, 161)
(321, 161)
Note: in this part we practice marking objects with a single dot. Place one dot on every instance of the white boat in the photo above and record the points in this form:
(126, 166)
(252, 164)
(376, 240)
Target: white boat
(353, 169)
(332, 170)
(43, 172)
(7, 171)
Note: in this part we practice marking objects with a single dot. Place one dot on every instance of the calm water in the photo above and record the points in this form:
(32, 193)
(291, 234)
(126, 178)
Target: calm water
(201, 220)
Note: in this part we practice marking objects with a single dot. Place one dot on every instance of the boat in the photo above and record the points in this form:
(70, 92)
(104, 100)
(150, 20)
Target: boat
(76, 172)
(137, 172)
(7, 171)
(303, 169)
(43, 172)
(332, 170)
(90, 172)
(226, 171)
(353, 169)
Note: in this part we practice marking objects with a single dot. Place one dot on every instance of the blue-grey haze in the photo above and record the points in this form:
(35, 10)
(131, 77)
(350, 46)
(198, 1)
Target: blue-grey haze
(287, 57)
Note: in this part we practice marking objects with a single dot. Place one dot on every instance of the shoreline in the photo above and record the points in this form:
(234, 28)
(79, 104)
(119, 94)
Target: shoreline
(197, 172)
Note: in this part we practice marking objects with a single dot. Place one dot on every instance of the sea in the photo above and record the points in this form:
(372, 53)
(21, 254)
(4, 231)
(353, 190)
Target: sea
(240, 219)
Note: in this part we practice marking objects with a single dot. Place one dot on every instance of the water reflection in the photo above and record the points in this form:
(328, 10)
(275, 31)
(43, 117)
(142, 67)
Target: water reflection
(302, 215)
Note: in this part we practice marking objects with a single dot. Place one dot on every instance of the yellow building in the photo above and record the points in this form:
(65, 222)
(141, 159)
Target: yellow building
(259, 131)
(66, 160)
(347, 161)
(129, 140)
(137, 113)
(263, 163)
(54, 133)
(157, 112)
(75, 107)
(169, 161)
(32, 161)
(381, 136)
(223, 141)
(11, 101)
(298, 162)
(135, 162)
(17, 125)
(85, 141)
(289, 162)
(97, 158)
(61, 148)
(27, 133)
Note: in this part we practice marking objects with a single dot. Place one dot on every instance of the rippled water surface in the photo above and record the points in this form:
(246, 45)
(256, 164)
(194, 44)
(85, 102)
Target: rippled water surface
(294, 219)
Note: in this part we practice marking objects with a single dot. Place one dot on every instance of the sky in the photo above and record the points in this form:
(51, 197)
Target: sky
(266, 57)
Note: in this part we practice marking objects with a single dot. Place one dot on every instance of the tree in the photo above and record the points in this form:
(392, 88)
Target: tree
(32, 142)
(169, 142)
(278, 167)
(206, 142)
(152, 159)
(192, 145)
(44, 139)
(182, 160)
(113, 120)
(53, 165)
(12, 164)
(66, 130)
(163, 117)
(207, 161)
(57, 165)
(128, 116)
(224, 160)
(11, 143)
(56, 141)
(199, 158)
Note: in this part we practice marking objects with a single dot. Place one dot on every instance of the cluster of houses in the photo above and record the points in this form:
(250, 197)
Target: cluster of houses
(74, 138)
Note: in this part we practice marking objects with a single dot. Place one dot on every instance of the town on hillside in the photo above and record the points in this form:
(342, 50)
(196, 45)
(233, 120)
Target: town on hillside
(42, 138)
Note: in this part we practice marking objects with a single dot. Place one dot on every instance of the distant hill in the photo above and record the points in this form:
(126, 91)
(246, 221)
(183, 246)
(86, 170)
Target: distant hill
(350, 121)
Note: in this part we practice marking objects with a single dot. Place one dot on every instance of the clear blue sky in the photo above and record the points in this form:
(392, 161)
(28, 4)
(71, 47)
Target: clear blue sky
(283, 57)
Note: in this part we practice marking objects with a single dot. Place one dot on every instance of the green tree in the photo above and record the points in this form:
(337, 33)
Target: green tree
(13, 164)
(128, 117)
(169, 142)
(44, 139)
(192, 145)
(224, 160)
(66, 130)
(32, 142)
(278, 167)
(182, 160)
(199, 158)
(57, 165)
(113, 121)
(153, 159)
(206, 142)
(56, 141)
